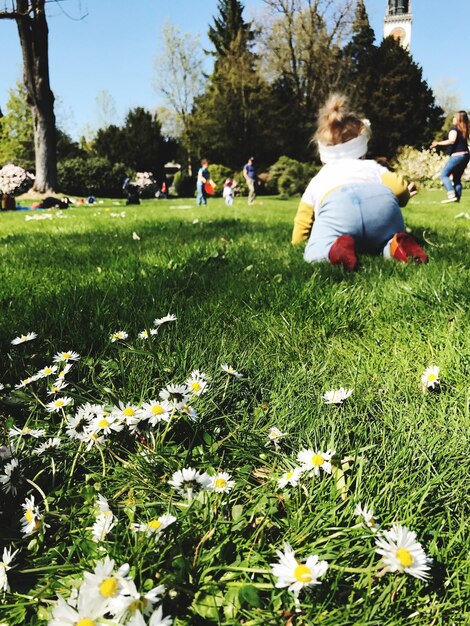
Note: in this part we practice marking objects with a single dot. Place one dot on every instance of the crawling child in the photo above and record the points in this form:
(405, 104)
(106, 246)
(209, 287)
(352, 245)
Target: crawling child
(353, 204)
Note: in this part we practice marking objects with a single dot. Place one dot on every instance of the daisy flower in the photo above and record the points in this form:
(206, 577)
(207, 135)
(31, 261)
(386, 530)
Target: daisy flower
(12, 477)
(294, 575)
(367, 515)
(119, 335)
(189, 480)
(158, 619)
(106, 424)
(76, 424)
(26, 432)
(59, 403)
(221, 483)
(90, 438)
(68, 355)
(430, 377)
(47, 371)
(23, 338)
(163, 320)
(88, 612)
(128, 414)
(132, 603)
(7, 558)
(26, 381)
(57, 387)
(31, 520)
(104, 583)
(337, 396)
(402, 553)
(274, 434)
(190, 412)
(156, 411)
(47, 445)
(63, 372)
(290, 478)
(176, 395)
(197, 383)
(228, 369)
(105, 519)
(145, 334)
(155, 526)
(314, 461)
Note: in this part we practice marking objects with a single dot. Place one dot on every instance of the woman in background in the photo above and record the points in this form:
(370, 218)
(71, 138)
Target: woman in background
(459, 157)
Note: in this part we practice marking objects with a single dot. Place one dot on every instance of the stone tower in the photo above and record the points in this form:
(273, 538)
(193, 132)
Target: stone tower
(398, 21)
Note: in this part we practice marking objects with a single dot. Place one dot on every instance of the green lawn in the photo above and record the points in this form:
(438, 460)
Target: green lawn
(242, 296)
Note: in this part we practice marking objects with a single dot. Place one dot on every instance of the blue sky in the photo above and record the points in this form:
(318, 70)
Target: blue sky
(114, 48)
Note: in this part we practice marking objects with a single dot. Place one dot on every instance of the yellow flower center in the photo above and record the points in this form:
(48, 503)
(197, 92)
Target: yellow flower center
(154, 524)
(196, 386)
(61, 374)
(221, 483)
(47, 370)
(432, 377)
(128, 411)
(29, 515)
(405, 557)
(103, 423)
(303, 574)
(66, 355)
(157, 409)
(289, 475)
(137, 605)
(85, 622)
(108, 587)
(317, 460)
(59, 403)
(23, 337)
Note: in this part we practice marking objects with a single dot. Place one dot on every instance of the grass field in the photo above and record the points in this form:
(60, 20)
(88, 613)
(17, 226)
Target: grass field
(242, 296)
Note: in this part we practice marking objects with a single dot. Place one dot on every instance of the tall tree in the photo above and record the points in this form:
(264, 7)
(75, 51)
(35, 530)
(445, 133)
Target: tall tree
(30, 17)
(357, 57)
(228, 118)
(16, 130)
(399, 102)
(138, 144)
(229, 26)
(301, 56)
(180, 79)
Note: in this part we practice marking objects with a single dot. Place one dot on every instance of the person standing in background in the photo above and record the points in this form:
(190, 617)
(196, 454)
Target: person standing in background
(459, 157)
(249, 172)
(203, 177)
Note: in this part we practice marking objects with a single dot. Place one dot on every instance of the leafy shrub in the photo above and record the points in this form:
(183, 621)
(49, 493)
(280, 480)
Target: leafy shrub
(422, 166)
(95, 176)
(184, 185)
(219, 174)
(290, 177)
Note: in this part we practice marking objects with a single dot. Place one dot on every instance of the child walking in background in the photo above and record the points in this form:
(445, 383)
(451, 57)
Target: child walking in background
(353, 204)
(228, 192)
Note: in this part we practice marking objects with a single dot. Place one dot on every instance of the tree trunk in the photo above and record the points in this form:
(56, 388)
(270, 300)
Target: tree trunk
(34, 34)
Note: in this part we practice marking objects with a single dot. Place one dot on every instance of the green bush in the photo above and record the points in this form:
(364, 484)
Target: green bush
(289, 177)
(423, 166)
(92, 176)
(184, 185)
(219, 174)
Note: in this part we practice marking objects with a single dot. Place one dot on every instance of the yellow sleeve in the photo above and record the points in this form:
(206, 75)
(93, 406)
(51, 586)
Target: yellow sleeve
(303, 222)
(398, 185)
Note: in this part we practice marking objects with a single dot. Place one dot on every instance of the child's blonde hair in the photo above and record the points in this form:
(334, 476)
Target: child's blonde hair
(337, 124)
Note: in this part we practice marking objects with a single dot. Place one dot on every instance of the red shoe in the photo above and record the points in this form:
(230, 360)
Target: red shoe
(404, 248)
(342, 252)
